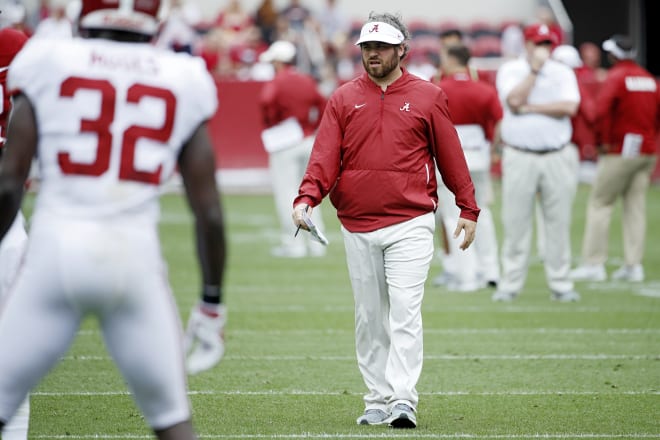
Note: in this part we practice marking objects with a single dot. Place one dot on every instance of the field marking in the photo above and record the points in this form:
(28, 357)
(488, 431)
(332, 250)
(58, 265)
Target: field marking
(563, 309)
(458, 435)
(439, 357)
(440, 331)
(357, 393)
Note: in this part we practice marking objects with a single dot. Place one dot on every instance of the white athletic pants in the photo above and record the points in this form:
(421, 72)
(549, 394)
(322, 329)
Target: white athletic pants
(553, 178)
(12, 249)
(388, 268)
(114, 271)
(480, 261)
(287, 168)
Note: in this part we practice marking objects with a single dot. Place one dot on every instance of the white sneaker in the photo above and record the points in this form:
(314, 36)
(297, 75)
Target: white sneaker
(633, 273)
(403, 416)
(589, 272)
(464, 287)
(373, 417)
(501, 295)
(443, 279)
(568, 296)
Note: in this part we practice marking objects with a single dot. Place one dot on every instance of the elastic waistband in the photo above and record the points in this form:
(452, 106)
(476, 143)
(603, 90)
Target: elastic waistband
(535, 151)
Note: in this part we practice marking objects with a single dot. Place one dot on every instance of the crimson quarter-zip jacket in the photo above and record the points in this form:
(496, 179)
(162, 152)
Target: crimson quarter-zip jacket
(374, 154)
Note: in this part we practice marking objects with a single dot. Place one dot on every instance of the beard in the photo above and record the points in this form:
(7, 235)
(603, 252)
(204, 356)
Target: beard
(378, 67)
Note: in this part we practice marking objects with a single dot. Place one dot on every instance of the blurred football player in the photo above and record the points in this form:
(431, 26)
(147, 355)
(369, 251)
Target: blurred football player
(109, 123)
(13, 244)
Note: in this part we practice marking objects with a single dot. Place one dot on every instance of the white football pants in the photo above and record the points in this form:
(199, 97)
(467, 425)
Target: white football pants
(388, 268)
(553, 178)
(112, 270)
(287, 168)
(12, 249)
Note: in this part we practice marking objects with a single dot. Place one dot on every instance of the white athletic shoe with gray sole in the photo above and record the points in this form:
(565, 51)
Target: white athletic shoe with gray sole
(373, 417)
(589, 272)
(633, 273)
(403, 416)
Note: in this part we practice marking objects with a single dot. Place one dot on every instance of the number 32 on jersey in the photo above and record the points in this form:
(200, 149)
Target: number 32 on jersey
(101, 127)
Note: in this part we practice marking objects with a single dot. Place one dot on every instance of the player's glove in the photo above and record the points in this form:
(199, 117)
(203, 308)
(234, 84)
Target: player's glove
(204, 341)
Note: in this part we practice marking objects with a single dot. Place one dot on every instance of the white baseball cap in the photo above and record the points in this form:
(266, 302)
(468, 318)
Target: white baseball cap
(619, 46)
(380, 31)
(281, 50)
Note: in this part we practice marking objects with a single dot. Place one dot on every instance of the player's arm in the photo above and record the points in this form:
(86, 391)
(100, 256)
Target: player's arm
(16, 160)
(197, 168)
(204, 338)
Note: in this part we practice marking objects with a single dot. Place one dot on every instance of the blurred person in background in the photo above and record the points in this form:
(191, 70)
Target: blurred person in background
(627, 119)
(57, 24)
(94, 248)
(265, 18)
(294, 98)
(14, 243)
(178, 31)
(333, 28)
(452, 37)
(15, 16)
(539, 96)
(476, 111)
(380, 139)
(591, 69)
(584, 129)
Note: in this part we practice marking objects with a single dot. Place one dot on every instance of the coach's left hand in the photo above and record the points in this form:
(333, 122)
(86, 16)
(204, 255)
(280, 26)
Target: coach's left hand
(470, 229)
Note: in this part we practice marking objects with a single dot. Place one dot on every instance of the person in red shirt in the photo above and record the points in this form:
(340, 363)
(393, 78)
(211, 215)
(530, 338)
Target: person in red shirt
(291, 98)
(380, 139)
(476, 111)
(584, 130)
(12, 246)
(627, 120)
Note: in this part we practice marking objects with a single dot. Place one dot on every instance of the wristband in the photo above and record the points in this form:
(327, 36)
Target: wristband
(211, 294)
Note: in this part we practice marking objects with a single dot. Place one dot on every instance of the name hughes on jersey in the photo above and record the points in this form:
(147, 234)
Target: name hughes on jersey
(141, 64)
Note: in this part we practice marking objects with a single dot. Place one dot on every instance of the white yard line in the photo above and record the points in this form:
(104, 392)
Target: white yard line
(357, 393)
(439, 357)
(449, 331)
(458, 435)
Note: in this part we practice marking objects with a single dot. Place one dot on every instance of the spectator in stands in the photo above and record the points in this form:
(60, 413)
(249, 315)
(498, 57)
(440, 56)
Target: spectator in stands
(627, 119)
(476, 112)
(334, 27)
(540, 95)
(291, 106)
(295, 14)
(234, 19)
(37, 14)
(57, 24)
(178, 30)
(265, 18)
(299, 26)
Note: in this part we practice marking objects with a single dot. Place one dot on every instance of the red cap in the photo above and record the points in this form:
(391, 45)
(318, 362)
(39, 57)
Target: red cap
(538, 33)
(12, 41)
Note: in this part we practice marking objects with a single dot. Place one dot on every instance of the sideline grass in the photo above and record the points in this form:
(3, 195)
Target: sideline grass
(531, 369)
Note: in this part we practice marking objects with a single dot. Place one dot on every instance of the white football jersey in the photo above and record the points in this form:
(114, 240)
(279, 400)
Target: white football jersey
(112, 118)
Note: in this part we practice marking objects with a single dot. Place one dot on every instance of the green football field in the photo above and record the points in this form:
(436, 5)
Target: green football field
(531, 369)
